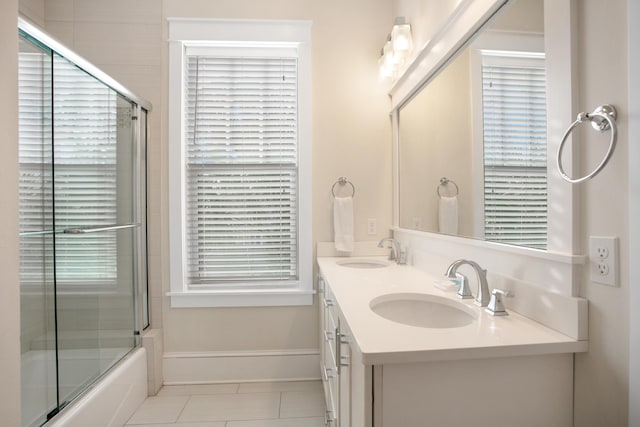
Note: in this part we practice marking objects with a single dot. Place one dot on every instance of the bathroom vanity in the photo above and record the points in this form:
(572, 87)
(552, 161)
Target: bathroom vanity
(387, 362)
(400, 352)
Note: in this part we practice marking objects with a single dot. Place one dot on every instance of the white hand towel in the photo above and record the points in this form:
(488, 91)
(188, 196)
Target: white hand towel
(343, 223)
(448, 215)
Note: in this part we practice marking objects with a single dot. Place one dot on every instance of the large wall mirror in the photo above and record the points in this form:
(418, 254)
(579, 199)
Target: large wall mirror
(472, 142)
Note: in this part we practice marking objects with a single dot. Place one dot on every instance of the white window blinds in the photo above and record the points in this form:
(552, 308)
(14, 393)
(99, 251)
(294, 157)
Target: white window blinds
(35, 158)
(241, 136)
(515, 157)
(85, 173)
(70, 178)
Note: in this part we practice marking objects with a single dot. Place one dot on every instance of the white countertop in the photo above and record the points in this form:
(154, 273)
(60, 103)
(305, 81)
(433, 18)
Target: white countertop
(381, 341)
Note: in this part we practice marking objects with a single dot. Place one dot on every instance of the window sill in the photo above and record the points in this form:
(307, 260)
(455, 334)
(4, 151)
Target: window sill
(249, 298)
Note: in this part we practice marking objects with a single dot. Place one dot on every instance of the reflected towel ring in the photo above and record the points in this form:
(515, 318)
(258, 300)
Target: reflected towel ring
(343, 181)
(603, 118)
(443, 183)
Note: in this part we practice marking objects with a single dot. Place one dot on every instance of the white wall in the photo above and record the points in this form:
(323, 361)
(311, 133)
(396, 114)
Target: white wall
(127, 40)
(32, 10)
(350, 138)
(9, 244)
(430, 150)
(349, 125)
(601, 373)
(633, 15)
(350, 133)
(124, 39)
(349, 119)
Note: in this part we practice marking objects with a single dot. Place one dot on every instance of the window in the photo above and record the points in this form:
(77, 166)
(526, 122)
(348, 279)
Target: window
(240, 163)
(515, 156)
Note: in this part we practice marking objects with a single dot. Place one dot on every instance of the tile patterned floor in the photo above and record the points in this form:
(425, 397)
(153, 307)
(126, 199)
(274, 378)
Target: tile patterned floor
(282, 404)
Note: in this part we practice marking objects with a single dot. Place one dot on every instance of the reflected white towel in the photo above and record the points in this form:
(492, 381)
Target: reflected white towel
(448, 215)
(343, 223)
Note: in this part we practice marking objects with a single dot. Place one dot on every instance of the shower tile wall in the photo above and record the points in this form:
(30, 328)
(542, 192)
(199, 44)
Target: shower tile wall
(124, 39)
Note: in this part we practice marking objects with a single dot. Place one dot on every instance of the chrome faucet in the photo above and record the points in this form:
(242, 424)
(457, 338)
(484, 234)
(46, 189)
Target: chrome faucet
(396, 253)
(482, 294)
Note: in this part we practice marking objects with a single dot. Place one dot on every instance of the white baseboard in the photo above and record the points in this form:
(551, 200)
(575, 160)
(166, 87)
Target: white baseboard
(237, 367)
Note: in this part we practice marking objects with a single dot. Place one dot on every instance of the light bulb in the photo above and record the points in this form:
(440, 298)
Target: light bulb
(390, 57)
(401, 38)
(386, 70)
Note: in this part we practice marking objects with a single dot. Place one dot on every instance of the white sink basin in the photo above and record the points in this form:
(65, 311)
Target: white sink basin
(422, 310)
(362, 263)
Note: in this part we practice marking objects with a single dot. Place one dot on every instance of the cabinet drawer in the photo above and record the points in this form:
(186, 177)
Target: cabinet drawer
(331, 308)
(331, 413)
(330, 340)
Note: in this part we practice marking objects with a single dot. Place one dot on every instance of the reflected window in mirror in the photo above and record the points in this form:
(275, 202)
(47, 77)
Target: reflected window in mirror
(481, 122)
(514, 137)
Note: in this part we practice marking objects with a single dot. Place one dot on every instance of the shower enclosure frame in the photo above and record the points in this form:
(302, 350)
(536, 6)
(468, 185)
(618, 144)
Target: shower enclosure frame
(140, 109)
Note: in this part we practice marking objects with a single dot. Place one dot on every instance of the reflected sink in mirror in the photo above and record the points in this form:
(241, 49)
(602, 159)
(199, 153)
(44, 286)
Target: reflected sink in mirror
(363, 263)
(422, 310)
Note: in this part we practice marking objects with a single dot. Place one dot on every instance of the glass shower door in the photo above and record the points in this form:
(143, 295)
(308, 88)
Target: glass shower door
(93, 185)
(37, 278)
(82, 162)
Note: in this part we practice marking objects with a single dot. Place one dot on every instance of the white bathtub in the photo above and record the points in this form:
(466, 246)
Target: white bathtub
(108, 402)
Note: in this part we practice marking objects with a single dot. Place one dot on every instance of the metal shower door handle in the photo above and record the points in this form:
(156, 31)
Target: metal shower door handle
(99, 229)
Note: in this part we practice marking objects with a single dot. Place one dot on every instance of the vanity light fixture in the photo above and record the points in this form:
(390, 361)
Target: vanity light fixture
(401, 36)
(396, 49)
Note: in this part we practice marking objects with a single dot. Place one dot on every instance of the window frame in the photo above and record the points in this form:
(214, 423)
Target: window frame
(241, 33)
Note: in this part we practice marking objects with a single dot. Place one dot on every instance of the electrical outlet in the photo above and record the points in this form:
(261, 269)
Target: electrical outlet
(372, 227)
(602, 252)
(603, 258)
(603, 268)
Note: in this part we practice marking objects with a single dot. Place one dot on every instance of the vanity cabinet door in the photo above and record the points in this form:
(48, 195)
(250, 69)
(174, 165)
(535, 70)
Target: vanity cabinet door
(522, 391)
(321, 317)
(344, 374)
(360, 391)
(328, 365)
(347, 383)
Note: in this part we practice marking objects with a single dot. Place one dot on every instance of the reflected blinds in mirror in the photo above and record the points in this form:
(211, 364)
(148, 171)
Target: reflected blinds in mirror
(241, 166)
(515, 157)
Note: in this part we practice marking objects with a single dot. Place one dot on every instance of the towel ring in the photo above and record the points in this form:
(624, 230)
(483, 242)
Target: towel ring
(603, 118)
(343, 181)
(443, 183)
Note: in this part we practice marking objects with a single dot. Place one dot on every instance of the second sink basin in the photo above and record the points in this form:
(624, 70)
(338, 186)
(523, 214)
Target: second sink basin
(423, 310)
(362, 263)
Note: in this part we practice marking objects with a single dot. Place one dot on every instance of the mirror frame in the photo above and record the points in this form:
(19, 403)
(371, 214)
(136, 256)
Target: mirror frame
(455, 34)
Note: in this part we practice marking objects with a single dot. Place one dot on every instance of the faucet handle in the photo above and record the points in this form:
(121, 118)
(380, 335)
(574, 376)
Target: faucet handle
(402, 257)
(464, 291)
(496, 307)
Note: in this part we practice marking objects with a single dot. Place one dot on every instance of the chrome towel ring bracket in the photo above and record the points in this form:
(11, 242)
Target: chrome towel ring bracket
(602, 119)
(343, 181)
(444, 182)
